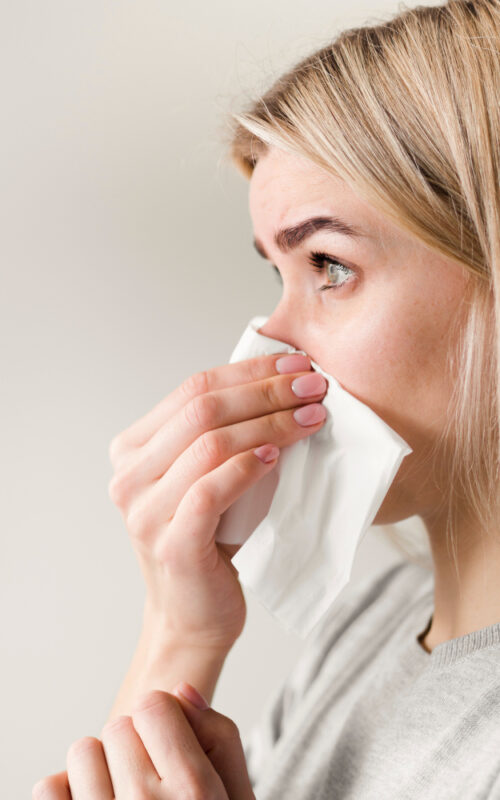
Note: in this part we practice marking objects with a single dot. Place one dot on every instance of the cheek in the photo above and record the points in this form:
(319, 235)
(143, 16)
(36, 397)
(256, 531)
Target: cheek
(393, 358)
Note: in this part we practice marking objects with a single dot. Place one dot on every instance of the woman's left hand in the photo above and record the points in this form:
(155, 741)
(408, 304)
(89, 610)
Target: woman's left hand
(168, 749)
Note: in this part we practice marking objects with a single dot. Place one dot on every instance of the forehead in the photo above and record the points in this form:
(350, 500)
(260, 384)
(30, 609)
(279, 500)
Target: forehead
(279, 174)
(282, 182)
(286, 187)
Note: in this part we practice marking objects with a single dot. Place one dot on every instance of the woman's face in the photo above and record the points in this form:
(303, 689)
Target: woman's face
(385, 329)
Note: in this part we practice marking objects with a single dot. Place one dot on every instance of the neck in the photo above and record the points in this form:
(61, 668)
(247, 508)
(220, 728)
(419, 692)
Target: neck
(466, 589)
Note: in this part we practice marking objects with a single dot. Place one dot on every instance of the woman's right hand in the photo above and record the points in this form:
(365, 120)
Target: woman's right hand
(178, 468)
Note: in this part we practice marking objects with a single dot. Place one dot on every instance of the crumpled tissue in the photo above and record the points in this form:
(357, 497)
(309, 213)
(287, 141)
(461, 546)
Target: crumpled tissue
(301, 524)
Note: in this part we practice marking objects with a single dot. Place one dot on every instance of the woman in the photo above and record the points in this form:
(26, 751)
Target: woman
(375, 193)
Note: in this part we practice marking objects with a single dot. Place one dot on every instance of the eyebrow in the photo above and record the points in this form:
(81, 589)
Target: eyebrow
(288, 239)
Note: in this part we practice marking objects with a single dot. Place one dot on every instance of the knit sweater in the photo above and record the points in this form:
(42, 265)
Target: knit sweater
(366, 713)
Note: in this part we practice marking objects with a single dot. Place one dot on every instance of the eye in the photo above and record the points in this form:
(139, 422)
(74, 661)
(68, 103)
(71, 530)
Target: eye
(339, 273)
(335, 269)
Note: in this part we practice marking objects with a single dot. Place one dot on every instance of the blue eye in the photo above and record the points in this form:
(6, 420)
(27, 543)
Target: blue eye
(340, 273)
(318, 261)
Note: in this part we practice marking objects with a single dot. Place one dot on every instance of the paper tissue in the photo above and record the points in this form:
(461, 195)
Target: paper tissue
(301, 524)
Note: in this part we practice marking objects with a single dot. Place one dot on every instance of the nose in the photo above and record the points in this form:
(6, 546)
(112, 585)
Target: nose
(281, 328)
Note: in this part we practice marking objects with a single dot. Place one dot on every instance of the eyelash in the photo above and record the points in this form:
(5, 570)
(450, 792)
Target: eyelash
(317, 260)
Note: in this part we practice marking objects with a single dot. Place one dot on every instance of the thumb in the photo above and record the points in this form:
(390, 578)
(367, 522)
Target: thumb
(220, 739)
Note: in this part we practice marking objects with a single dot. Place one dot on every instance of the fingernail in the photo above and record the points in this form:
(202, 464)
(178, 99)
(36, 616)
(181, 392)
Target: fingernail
(194, 697)
(267, 452)
(293, 363)
(310, 415)
(309, 385)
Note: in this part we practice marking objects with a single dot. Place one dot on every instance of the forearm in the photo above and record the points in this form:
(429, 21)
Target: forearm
(161, 664)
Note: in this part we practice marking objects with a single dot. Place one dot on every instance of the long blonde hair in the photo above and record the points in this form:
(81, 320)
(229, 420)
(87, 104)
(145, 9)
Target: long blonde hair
(407, 113)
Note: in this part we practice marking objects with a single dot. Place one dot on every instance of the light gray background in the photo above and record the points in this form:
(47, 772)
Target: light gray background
(127, 265)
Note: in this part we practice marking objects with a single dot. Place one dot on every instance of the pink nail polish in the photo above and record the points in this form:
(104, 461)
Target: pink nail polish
(293, 363)
(310, 415)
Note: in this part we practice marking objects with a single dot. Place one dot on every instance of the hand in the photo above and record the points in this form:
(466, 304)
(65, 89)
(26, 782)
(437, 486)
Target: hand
(180, 467)
(167, 750)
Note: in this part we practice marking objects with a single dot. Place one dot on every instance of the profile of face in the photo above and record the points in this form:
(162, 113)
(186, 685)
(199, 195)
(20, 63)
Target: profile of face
(383, 326)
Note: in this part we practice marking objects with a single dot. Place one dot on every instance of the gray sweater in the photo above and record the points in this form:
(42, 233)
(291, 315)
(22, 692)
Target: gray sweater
(367, 714)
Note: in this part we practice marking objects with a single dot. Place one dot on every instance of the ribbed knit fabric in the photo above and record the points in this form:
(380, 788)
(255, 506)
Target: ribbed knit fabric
(367, 713)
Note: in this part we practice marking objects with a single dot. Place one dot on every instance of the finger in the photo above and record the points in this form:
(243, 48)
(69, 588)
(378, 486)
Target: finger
(190, 537)
(129, 764)
(87, 770)
(232, 445)
(220, 377)
(173, 747)
(53, 787)
(211, 411)
(220, 739)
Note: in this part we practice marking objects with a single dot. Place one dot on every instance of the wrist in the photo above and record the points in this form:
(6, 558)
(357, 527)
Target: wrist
(160, 662)
(157, 635)
(158, 647)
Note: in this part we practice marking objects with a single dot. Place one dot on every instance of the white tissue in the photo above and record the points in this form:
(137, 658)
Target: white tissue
(300, 525)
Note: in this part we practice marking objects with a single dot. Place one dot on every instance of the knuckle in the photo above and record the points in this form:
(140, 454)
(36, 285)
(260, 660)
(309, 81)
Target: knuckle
(269, 393)
(201, 411)
(255, 369)
(227, 728)
(202, 498)
(120, 450)
(276, 424)
(210, 447)
(195, 384)
(83, 745)
(154, 698)
(241, 466)
(115, 725)
(120, 486)
(116, 490)
(139, 521)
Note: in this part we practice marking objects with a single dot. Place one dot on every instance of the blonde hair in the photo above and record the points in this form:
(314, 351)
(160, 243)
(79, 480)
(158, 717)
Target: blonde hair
(407, 112)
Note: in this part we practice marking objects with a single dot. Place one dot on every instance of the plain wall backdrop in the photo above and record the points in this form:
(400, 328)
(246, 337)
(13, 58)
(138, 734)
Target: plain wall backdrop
(127, 265)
